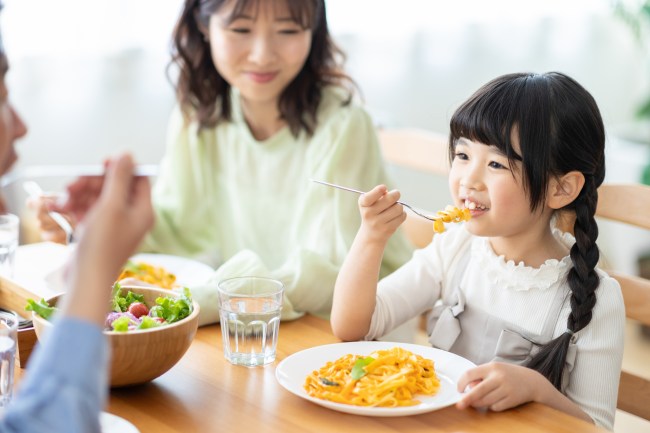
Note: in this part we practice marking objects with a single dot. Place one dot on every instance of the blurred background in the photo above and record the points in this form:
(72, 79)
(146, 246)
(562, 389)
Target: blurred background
(90, 77)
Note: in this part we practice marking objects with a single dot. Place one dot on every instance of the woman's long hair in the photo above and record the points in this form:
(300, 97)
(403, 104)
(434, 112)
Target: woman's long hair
(203, 93)
(560, 130)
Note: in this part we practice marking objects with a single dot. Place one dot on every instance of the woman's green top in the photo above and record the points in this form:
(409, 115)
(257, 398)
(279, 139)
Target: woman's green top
(249, 207)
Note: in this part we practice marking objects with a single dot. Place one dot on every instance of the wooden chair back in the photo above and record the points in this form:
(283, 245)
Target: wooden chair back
(629, 204)
(419, 150)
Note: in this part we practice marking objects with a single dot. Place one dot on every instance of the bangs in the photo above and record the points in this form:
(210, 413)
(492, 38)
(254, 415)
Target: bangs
(491, 115)
(302, 12)
(513, 107)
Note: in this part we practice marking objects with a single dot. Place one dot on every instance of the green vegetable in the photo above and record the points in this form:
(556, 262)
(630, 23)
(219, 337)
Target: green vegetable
(119, 303)
(358, 370)
(41, 308)
(327, 382)
(121, 324)
(156, 311)
(173, 310)
(132, 267)
(148, 322)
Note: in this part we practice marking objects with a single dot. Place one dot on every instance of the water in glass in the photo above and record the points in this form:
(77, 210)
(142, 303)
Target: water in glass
(250, 319)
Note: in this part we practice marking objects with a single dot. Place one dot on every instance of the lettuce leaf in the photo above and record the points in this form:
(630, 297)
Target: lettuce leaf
(41, 308)
(121, 324)
(173, 310)
(119, 303)
(148, 322)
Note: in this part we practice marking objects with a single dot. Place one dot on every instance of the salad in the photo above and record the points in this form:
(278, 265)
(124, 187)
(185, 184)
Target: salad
(129, 312)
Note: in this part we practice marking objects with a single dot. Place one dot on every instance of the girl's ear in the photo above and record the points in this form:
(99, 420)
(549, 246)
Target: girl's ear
(564, 189)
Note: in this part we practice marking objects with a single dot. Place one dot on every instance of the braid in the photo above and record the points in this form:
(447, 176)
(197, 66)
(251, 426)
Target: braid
(583, 279)
(583, 282)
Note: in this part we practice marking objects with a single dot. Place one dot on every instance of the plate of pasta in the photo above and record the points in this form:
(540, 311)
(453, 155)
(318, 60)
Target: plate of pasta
(166, 271)
(374, 378)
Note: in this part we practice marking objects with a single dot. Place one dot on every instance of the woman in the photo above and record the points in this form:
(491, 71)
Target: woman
(264, 106)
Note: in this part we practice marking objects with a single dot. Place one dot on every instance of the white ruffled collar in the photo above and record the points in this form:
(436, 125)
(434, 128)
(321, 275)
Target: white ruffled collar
(519, 277)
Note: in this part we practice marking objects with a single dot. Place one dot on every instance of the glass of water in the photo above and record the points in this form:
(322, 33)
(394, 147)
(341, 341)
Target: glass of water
(249, 309)
(9, 228)
(8, 330)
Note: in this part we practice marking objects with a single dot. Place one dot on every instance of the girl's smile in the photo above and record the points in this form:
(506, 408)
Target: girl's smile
(476, 209)
(483, 180)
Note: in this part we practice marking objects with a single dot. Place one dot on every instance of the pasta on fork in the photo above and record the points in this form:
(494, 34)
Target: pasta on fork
(451, 214)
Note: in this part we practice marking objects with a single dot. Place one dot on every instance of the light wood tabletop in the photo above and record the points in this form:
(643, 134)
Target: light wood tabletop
(205, 393)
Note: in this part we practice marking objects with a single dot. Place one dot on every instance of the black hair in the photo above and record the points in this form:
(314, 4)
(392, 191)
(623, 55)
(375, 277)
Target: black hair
(559, 130)
(201, 90)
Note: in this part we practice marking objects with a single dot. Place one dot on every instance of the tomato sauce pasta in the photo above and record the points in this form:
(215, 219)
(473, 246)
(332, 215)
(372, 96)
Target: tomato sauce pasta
(386, 378)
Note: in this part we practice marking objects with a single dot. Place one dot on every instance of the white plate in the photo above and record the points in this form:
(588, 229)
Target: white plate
(188, 272)
(293, 370)
(110, 423)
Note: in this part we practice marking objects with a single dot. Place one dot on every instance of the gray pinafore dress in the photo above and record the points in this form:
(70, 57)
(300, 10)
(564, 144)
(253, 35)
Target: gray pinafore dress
(480, 337)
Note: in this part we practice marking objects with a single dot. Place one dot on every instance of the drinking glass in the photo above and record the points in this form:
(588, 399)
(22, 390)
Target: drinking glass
(249, 309)
(9, 227)
(8, 330)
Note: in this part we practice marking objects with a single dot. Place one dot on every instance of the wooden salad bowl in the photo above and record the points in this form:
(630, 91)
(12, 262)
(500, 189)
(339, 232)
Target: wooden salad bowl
(140, 356)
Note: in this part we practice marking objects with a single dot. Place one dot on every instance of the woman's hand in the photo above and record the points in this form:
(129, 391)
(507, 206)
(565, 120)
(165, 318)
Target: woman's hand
(381, 215)
(499, 386)
(49, 229)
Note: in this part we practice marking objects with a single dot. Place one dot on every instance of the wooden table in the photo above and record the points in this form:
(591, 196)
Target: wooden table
(204, 393)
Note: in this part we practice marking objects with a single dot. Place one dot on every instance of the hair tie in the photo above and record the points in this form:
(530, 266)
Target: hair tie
(568, 331)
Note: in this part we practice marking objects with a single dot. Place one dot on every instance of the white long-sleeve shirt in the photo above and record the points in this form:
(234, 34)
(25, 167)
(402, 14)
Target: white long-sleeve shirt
(521, 295)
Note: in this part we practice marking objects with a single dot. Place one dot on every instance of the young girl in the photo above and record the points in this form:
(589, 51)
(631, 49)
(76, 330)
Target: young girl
(522, 300)
(264, 106)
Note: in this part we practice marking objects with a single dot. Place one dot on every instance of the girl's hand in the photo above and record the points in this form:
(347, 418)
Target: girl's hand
(498, 386)
(381, 215)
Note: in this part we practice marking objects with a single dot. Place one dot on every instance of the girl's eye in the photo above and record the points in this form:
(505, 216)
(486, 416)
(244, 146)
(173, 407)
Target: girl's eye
(241, 30)
(497, 165)
(461, 155)
(289, 31)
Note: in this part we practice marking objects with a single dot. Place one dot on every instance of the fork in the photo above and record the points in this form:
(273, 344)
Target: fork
(35, 191)
(419, 213)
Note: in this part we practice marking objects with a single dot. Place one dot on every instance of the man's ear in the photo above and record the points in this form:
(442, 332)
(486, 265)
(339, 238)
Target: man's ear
(564, 189)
